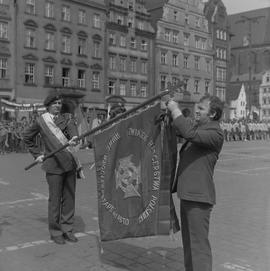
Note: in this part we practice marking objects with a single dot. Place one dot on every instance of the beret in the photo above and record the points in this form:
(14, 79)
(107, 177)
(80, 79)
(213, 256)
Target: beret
(51, 98)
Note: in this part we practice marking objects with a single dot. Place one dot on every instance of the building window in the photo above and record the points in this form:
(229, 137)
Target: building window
(143, 89)
(163, 58)
(49, 75)
(120, 19)
(95, 80)
(221, 74)
(82, 16)
(112, 40)
(207, 87)
(130, 23)
(225, 35)
(123, 41)
(221, 35)
(122, 89)
(133, 89)
(175, 15)
(203, 44)
(81, 78)
(65, 77)
(65, 15)
(217, 52)
(186, 84)
(30, 41)
(197, 22)
(208, 66)
(133, 43)
(186, 39)
(112, 62)
(96, 21)
(66, 44)
(175, 80)
(133, 65)
(217, 33)
(167, 35)
(144, 45)
(29, 73)
(49, 9)
(30, 6)
(3, 30)
(175, 37)
(185, 62)
(175, 60)
(141, 25)
(197, 59)
(186, 19)
(49, 41)
(196, 86)
(122, 64)
(81, 46)
(3, 68)
(111, 87)
(197, 43)
(144, 67)
(162, 82)
(96, 49)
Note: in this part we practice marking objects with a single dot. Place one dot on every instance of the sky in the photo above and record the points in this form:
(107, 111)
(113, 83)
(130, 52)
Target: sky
(236, 6)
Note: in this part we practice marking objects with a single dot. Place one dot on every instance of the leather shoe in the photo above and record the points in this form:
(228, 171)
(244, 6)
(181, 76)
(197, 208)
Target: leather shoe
(58, 239)
(70, 237)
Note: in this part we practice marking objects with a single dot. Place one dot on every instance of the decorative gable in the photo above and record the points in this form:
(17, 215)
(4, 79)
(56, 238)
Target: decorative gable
(96, 67)
(49, 59)
(82, 34)
(50, 27)
(66, 61)
(31, 23)
(66, 30)
(30, 57)
(82, 64)
(97, 37)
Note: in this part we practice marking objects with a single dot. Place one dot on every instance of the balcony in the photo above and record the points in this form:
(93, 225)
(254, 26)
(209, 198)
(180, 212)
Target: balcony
(118, 27)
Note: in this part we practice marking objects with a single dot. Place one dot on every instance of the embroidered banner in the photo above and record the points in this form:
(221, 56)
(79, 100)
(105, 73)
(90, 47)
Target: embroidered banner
(133, 200)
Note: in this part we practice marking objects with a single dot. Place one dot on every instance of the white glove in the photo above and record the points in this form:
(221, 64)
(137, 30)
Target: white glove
(40, 158)
(73, 141)
(173, 107)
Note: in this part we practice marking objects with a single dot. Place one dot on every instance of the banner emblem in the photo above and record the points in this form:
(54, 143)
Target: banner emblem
(127, 177)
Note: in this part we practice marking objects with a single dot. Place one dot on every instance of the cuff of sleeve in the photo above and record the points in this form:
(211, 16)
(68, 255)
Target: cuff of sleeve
(176, 113)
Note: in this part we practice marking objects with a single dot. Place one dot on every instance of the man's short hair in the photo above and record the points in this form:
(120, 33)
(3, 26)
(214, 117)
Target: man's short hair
(216, 106)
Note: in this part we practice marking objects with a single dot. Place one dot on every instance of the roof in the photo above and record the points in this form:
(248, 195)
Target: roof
(232, 92)
(260, 29)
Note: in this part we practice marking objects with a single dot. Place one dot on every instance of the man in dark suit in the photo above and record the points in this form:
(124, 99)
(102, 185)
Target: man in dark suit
(55, 131)
(195, 188)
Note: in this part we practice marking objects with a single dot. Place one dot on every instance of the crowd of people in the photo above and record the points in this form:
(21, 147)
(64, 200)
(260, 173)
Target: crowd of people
(234, 130)
(11, 135)
(245, 129)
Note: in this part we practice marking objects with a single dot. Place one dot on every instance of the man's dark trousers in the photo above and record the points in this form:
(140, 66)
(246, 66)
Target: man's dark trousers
(195, 218)
(61, 218)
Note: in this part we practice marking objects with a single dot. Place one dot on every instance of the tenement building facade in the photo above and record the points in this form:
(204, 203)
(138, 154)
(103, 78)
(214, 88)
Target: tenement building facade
(183, 46)
(130, 41)
(59, 44)
(216, 14)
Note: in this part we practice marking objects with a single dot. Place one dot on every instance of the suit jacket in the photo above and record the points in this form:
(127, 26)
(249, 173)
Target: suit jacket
(62, 161)
(198, 157)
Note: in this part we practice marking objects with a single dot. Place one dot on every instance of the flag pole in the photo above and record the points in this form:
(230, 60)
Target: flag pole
(105, 124)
